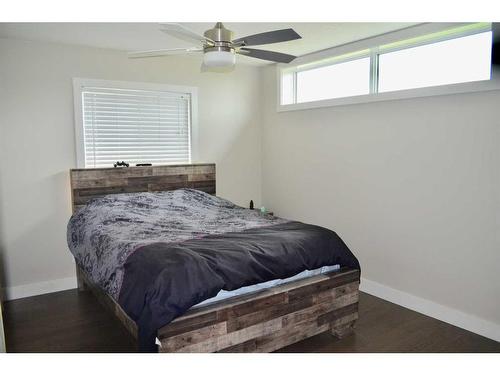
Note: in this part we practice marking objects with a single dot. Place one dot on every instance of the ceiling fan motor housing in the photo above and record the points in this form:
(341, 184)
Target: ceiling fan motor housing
(222, 39)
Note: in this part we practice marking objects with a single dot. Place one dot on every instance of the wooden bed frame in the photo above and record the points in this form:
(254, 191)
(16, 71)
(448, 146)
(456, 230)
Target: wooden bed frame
(263, 321)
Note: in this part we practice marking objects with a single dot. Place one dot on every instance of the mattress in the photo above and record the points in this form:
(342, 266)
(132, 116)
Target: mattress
(225, 294)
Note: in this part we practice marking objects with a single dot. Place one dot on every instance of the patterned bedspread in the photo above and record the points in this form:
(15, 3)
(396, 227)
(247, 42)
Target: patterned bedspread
(104, 233)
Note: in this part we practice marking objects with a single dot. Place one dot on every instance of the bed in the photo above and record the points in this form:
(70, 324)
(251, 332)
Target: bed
(187, 271)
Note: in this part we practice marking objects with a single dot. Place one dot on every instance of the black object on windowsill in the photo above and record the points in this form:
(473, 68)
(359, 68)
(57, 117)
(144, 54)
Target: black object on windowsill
(144, 165)
(251, 204)
(121, 164)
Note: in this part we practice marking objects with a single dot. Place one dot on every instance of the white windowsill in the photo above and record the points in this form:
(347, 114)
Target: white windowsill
(459, 88)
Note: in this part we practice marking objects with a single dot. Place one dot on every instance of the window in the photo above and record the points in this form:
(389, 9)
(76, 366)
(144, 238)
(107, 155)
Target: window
(452, 56)
(132, 122)
(457, 60)
(334, 81)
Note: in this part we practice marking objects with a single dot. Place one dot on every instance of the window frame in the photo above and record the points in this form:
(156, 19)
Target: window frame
(80, 83)
(411, 37)
(341, 60)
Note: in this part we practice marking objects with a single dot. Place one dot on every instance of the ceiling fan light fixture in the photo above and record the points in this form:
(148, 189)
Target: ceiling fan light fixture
(219, 59)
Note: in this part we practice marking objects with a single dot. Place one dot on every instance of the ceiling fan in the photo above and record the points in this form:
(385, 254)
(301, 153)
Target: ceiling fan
(219, 48)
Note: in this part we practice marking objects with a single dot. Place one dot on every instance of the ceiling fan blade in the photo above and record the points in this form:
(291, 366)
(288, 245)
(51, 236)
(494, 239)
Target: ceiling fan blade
(180, 32)
(267, 55)
(269, 37)
(163, 52)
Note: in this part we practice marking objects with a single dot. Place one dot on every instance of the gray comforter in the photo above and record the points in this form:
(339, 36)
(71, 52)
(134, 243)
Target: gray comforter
(104, 233)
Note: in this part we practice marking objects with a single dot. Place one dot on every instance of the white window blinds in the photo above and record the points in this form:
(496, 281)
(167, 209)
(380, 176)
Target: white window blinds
(136, 126)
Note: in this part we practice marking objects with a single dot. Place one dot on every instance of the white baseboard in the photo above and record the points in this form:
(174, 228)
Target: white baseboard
(28, 290)
(435, 310)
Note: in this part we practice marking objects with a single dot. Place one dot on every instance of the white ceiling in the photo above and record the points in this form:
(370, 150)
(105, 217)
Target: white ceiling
(146, 36)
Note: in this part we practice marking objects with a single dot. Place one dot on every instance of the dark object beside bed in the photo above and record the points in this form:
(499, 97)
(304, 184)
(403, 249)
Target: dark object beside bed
(158, 281)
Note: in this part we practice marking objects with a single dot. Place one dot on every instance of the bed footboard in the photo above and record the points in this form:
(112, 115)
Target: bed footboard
(342, 330)
(269, 320)
(264, 321)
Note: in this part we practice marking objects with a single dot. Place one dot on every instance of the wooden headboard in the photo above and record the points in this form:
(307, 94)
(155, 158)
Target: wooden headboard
(95, 182)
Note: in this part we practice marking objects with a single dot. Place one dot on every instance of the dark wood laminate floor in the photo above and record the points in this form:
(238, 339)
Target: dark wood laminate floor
(73, 321)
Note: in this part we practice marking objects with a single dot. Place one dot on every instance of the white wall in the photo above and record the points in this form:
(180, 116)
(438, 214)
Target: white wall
(412, 186)
(37, 146)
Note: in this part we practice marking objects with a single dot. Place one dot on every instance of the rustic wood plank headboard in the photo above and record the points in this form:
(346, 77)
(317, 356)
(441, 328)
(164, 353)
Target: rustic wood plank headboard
(95, 182)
